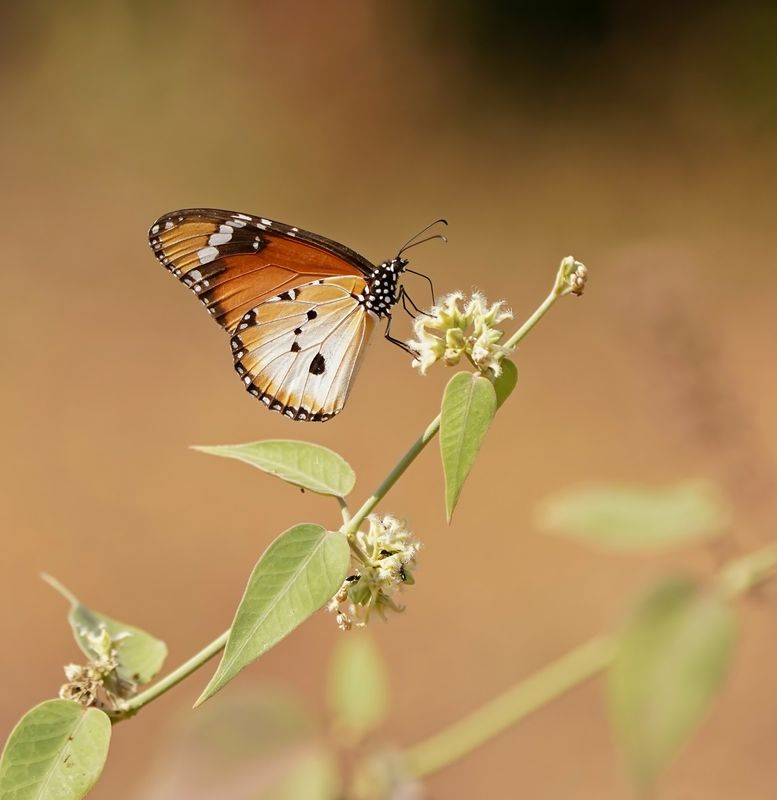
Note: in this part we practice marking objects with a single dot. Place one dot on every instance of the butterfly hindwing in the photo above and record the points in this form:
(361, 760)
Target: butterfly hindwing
(298, 351)
(233, 262)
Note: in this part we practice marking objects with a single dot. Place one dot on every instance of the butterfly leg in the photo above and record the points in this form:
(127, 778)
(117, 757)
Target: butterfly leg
(427, 279)
(398, 342)
(405, 298)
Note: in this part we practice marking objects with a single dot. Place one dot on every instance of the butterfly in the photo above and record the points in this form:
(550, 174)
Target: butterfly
(298, 307)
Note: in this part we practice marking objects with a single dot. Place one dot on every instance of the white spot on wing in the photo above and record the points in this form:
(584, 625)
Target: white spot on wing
(207, 254)
(220, 238)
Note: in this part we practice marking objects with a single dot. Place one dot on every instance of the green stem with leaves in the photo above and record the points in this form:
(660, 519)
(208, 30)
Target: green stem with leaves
(350, 523)
(559, 290)
(736, 578)
(132, 706)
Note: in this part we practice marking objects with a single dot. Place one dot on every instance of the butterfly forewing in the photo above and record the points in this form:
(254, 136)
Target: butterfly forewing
(233, 262)
(292, 301)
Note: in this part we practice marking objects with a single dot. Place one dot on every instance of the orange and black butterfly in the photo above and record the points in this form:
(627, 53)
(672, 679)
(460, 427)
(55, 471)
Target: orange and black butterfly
(299, 308)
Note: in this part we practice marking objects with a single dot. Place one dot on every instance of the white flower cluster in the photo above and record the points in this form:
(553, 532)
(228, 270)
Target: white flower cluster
(457, 327)
(387, 553)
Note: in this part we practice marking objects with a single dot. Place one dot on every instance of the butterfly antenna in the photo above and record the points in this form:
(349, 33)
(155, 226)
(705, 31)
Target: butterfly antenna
(421, 241)
(411, 241)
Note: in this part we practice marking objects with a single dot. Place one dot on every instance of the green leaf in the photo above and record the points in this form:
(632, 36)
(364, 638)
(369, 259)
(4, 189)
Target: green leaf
(139, 654)
(56, 752)
(358, 686)
(671, 659)
(468, 407)
(312, 777)
(297, 574)
(637, 519)
(302, 464)
(505, 383)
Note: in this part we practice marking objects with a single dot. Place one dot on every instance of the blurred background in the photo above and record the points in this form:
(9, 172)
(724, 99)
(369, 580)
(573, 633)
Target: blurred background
(639, 137)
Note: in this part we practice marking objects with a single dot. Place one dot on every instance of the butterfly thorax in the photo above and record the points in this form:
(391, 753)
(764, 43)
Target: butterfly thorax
(380, 294)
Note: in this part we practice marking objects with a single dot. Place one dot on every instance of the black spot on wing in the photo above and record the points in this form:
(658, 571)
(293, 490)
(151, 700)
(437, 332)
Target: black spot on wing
(317, 365)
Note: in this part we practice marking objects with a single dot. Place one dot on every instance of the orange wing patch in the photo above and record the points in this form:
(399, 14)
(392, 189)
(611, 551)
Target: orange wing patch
(234, 262)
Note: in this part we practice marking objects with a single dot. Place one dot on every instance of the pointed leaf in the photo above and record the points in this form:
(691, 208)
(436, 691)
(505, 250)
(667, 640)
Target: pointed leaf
(637, 519)
(358, 686)
(297, 574)
(302, 464)
(506, 382)
(140, 655)
(56, 752)
(468, 407)
(671, 659)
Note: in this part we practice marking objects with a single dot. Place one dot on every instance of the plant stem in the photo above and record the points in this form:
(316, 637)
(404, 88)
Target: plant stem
(747, 572)
(403, 463)
(736, 578)
(474, 730)
(344, 510)
(173, 678)
(512, 342)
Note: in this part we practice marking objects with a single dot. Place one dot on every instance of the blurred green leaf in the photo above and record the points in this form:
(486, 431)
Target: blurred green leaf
(302, 464)
(297, 574)
(239, 748)
(671, 659)
(313, 777)
(139, 654)
(506, 382)
(56, 752)
(247, 725)
(358, 686)
(468, 407)
(639, 519)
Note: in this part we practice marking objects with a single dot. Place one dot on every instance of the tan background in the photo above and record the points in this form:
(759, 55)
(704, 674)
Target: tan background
(643, 145)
